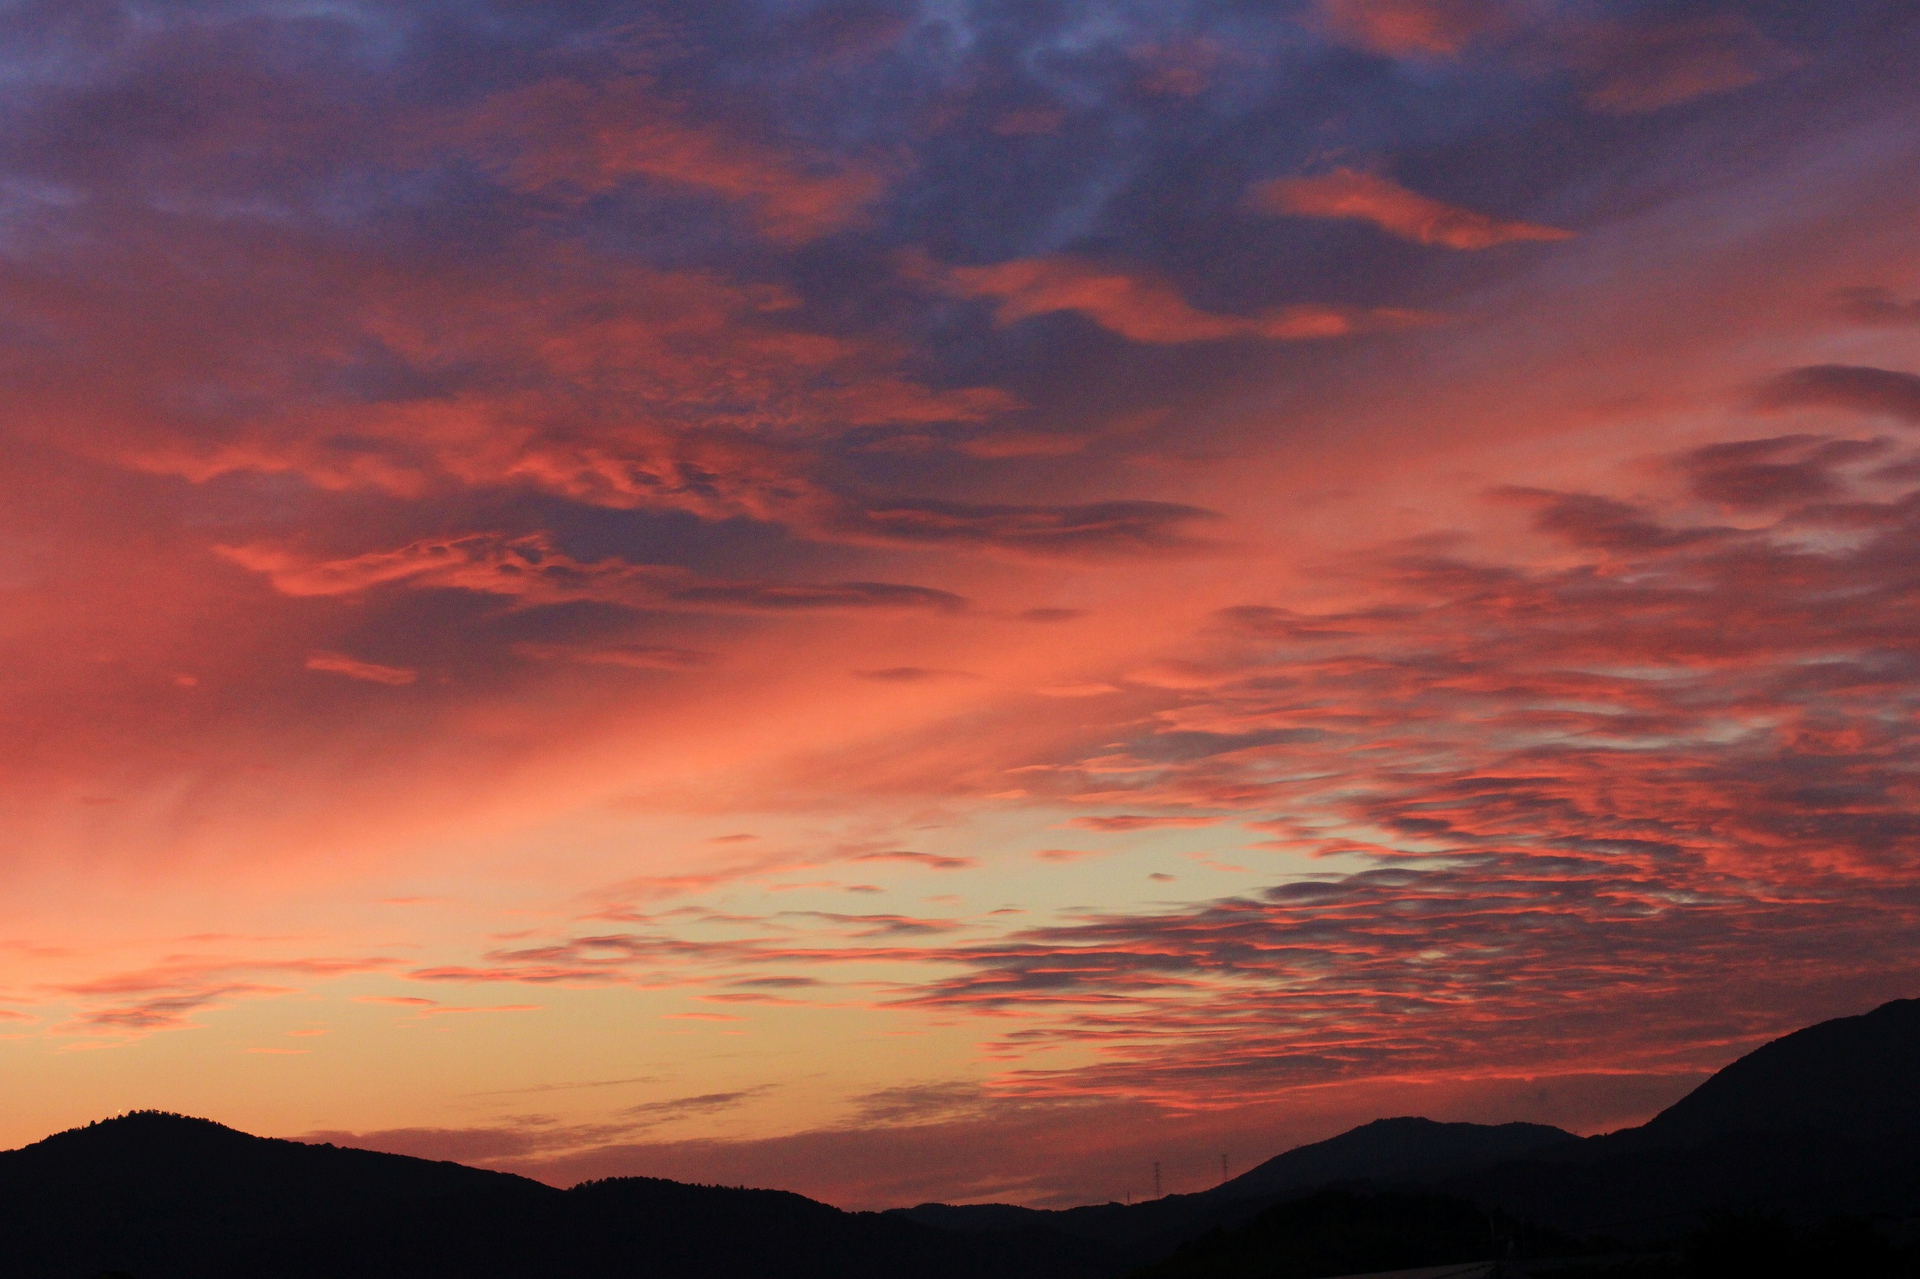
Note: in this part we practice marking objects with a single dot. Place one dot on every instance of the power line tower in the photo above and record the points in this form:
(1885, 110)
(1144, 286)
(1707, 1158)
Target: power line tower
(1156, 1179)
(1223, 1166)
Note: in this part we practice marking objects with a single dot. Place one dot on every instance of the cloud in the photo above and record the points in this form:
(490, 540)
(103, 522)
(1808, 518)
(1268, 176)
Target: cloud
(1411, 28)
(1143, 308)
(582, 139)
(1368, 197)
(353, 668)
(1136, 821)
(1523, 770)
(1781, 471)
(658, 1112)
(639, 657)
(1856, 388)
(531, 572)
(1635, 68)
(166, 996)
(1626, 65)
(1088, 530)
(913, 675)
(484, 1145)
(1595, 522)
(931, 861)
(1083, 688)
(1877, 306)
(469, 370)
(1504, 779)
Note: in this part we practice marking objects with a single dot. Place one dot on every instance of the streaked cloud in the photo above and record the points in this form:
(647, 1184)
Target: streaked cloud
(1855, 388)
(353, 668)
(1368, 197)
(1141, 308)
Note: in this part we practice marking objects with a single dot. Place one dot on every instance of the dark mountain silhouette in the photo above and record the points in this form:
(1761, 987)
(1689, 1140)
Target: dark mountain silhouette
(1820, 1122)
(1853, 1077)
(1815, 1124)
(1385, 1151)
(1391, 1149)
(1336, 1232)
(167, 1197)
(1812, 1126)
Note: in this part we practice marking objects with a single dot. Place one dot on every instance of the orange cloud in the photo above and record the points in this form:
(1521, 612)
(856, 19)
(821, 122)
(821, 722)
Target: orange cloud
(1368, 197)
(353, 668)
(1143, 308)
(1136, 821)
(532, 572)
(1404, 28)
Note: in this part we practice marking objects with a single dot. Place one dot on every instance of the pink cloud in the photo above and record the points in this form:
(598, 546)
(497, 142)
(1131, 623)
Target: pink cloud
(531, 571)
(1874, 305)
(1637, 68)
(168, 995)
(586, 138)
(1368, 197)
(353, 668)
(1856, 388)
(1411, 28)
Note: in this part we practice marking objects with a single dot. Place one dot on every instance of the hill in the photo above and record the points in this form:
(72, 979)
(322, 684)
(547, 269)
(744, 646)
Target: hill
(1856, 1077)
(1822, 1122)
(1392, 1149)
(167, 1197)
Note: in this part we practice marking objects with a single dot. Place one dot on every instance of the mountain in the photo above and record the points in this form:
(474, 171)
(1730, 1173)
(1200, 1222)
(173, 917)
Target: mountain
(1384, 1152)
(1336, 1232)
(1392, 1149)
(167, 1197)
(1819, 1123)
(1856, 1077)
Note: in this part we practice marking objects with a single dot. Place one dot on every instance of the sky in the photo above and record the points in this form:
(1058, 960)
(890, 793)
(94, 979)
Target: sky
(946, 599)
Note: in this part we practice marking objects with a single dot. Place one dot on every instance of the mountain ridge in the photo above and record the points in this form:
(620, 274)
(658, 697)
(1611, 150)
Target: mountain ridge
(1822, 1120)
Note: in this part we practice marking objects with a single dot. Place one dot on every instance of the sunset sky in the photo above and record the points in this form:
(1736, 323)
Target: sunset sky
(943, 599)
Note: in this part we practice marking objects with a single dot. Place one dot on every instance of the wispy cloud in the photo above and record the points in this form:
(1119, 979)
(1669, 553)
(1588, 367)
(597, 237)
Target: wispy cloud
(1142, 308)
(1368, 197)
(369, 672)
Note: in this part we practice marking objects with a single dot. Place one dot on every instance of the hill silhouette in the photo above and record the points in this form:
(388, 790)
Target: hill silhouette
(1815, 1124)
(1853, 1077)
(161, 1196)
(1391, 1149)
(1336, 1232)
(1819, 1123)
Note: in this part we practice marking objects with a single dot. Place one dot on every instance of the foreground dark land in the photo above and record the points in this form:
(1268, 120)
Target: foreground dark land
(1802, 1158)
